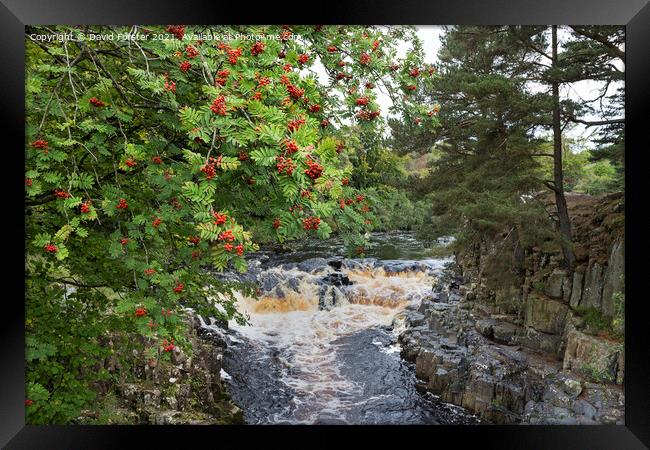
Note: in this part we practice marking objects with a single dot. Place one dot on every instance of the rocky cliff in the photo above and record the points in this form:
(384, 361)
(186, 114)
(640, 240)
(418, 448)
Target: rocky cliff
(518, 338)
(187, 389)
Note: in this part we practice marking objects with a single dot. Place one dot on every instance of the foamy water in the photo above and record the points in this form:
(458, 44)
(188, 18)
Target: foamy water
(307, 340)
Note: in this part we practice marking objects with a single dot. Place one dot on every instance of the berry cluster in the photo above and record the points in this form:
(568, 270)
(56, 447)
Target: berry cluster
(345, 181)
(365, 58)
(139, 312)
(362, 101)
(149, 271)
(414, 72)
(209, 171)
(40, 143)
(314, 108)
(29, 181)
(227, 247)
(191, 51)
(124, 241)
(233, 55)
(170, 86)
(367, 115)
(156, 222)
(177, 30)
(122, 204)
(51, 248)
(257, 48)
(302, 59)
(194, 240)
(276, 223)
(294, 91)
(219, 105)
(243, 156)
(156, 160)
(325, 123)
(96, 102)
(222, 77)
(179, 288)
(185, 66)
(295, 124)
(240, 249)
(130, 162)
(311, 223)
(220, 218)
(168, 346)
(291, 146)
(315, 170)
(411, 87)
(264, 81)
(285, 165)
(226, 236)
(85, 207)
(61, 194)
(256, 96)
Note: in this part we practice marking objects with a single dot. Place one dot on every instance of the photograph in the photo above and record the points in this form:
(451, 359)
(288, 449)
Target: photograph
(324, 224)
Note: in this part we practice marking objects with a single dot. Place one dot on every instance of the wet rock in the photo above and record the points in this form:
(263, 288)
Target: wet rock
(336, 264)
(336, 279)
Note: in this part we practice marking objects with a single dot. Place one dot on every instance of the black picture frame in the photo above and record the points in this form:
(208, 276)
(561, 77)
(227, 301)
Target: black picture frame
(634, 14)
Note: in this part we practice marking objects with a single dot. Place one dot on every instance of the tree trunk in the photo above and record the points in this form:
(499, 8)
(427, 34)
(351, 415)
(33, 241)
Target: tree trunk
(564, 224)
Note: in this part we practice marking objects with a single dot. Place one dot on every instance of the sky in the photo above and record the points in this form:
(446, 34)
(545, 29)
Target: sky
(431, 35)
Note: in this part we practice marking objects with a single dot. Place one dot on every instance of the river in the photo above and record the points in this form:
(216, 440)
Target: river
(321, 344)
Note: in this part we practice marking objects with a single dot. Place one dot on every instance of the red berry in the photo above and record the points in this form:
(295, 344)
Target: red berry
(85, 207)
(227, 247)
(276, 223)
(219, 105)
(96, 102)
(257, 48)
(149, 271)
(157, 221)
(40, 144)
(415, 72)
(191, 52)
(365, 58)
(131, 163)
(177, 30)
(240, 249)
(29, 402)
(122, 204)
(124, 241)
(302, 59)
(179, 288)
(185, 66)
(139, 312)
(220, 218)
(28, 181)
(51, 248)
(156, 160)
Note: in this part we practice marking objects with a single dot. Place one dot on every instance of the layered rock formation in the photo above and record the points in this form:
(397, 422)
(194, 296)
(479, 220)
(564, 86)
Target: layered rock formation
(541, 345)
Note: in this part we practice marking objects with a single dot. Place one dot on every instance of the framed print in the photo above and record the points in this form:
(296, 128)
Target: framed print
(412, 218)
